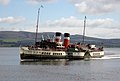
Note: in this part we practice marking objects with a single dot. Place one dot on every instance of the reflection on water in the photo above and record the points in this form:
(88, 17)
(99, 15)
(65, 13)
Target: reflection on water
(12, 57)
(12, 69)
(45, 62)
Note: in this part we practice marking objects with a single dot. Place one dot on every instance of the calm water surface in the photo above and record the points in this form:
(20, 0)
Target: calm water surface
(103, 69)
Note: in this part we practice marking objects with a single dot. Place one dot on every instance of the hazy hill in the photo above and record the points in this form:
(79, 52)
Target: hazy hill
(12, 38)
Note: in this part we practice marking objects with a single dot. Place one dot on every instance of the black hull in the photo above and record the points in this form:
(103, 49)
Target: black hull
(30, 56)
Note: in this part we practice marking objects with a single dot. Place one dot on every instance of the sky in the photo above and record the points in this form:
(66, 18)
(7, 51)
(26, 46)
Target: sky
(103, 16)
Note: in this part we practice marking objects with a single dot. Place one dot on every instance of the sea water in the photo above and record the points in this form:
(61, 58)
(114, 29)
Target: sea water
(97, 69)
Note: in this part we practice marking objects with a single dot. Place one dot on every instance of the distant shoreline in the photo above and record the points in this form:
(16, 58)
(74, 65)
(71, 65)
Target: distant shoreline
(15, 39)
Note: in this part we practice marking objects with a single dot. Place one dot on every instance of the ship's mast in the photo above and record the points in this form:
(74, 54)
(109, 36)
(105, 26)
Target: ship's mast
(84, 30)
(37, 23)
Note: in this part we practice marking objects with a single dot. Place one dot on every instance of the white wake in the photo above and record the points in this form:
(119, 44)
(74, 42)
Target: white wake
(111, 56)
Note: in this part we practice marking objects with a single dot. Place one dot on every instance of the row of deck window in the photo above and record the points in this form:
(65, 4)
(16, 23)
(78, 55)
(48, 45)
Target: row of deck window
(47, 53)
(44, 53)
(57, 53)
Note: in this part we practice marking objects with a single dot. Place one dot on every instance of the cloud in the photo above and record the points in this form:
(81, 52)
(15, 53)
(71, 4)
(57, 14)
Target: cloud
(96, 6)
(75, 22)
(102, 28)
(65, 22)
(11, 20)
(39, 1)
(103, 32)
(92, 32)
(98, 23)
(4, 2)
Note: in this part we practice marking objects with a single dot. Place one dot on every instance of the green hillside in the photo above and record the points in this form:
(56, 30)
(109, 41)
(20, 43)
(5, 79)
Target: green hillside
(15, 39)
